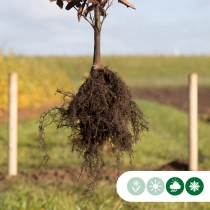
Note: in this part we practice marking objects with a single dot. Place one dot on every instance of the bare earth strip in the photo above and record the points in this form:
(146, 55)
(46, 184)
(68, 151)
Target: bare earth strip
(27, 114)
(176, 97)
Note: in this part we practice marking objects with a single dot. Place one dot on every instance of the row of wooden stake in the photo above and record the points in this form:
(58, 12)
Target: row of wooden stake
(13, 123)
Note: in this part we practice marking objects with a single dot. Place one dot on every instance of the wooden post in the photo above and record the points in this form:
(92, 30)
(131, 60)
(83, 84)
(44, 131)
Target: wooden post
(12, 126)
(193, 123)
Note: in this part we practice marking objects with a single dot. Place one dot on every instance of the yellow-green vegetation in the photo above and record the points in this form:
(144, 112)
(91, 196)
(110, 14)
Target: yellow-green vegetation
(39, 77)
(170, 135)
(138, 71)
(36, 82)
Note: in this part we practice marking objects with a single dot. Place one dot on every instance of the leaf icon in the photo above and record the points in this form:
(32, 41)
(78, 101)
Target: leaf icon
(135, 190)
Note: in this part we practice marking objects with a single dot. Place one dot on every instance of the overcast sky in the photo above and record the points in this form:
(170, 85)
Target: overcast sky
(38, 27)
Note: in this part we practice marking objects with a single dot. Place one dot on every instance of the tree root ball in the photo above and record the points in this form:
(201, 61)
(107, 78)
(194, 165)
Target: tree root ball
(101, 113)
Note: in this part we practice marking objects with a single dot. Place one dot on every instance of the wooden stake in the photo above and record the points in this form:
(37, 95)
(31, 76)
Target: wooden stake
(193, 122)
(12, 126)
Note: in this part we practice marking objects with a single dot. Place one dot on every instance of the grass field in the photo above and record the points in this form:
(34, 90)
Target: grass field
(170, 135)
(138, 71)
(168, 131)
(37, 73)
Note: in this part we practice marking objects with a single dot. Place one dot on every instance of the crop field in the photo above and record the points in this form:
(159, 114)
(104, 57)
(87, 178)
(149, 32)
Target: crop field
(32, 189)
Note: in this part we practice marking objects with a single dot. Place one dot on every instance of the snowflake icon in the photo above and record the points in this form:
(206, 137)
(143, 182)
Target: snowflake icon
(194, 186)
(136, 183)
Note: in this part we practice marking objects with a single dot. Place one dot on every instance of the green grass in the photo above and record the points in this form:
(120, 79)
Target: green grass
(165, 142)
(137, 71)
(37, 73)
(32, 197)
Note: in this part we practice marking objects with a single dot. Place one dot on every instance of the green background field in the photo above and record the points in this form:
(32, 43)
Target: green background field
(166, 140)
(138, 71)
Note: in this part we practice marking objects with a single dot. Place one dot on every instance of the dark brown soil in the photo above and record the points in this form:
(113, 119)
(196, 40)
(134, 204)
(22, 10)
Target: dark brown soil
(27, 114)
(176, 165)
(110, 175)
(176, 97)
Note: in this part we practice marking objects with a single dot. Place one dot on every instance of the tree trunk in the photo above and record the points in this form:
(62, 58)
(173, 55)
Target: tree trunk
(97, 40)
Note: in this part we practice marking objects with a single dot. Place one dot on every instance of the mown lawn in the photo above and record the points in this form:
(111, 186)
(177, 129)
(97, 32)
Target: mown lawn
(164, 142)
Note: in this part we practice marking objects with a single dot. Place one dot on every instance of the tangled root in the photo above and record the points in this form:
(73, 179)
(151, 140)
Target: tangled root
(102, 112)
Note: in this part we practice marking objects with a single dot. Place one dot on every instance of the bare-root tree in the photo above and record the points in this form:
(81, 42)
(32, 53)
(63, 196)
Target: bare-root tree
(102, 112)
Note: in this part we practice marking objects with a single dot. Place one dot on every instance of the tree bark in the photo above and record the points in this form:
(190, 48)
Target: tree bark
(97, 40)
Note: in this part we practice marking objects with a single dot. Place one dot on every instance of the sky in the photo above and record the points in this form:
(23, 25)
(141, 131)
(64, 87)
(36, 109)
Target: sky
(156, 27)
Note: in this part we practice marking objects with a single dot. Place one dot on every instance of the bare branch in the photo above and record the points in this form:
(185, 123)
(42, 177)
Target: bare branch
(104, 17)
(126, 3)
(85, 9)
(108, 5)
(91, 23)
(90, 16)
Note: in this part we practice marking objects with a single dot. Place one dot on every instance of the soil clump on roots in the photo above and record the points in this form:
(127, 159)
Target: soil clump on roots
(101, 113)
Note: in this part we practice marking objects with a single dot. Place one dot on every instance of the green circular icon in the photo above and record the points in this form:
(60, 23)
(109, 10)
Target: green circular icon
(194, 186)
(175, 186)
(136, 186)
(155, 186)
